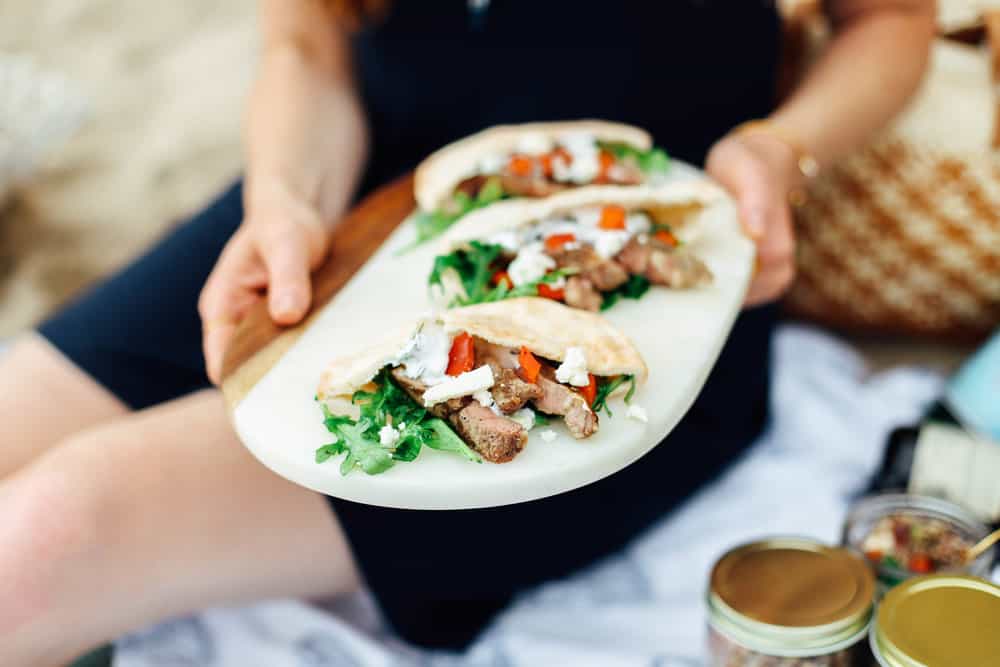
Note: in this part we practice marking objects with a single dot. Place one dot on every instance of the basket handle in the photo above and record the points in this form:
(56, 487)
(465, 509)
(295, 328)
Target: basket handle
(991, 20)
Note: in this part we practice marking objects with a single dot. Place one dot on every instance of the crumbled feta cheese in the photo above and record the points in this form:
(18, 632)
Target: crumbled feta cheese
(548, 435)
(530, 265)
(485, 399)
(573, 370)
(638, 413)
(525, 417)
(388, 436)
(607, 244)
(462, 385)
(425, 355)
(588, 216)
(491, 163)
(638, 223)
(584, 164)
(534, 143)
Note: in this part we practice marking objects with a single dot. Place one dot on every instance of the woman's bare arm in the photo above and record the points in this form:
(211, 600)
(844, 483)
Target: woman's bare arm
(872, 66)
(306, 141)
(305, 126)
(867, 74)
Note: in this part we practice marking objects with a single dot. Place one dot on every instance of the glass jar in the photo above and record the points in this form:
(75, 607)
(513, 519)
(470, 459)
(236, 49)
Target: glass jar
(789, 602)
(866, 514)
(939, 619)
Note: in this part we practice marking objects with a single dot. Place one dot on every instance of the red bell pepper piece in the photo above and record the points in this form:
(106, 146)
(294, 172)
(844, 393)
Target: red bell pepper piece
(462, 357)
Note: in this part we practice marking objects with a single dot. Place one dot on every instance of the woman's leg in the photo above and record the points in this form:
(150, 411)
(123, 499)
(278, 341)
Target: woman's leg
(43, 399)
(154, 514)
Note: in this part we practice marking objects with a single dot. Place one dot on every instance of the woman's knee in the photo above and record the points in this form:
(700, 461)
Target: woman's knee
(52, 521)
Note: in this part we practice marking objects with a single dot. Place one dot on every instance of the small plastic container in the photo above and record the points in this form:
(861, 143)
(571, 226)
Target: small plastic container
(938, 620)
(866, 513)
(790, 602)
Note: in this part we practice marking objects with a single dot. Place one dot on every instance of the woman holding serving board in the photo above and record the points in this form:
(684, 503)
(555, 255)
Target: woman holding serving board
(125, 497)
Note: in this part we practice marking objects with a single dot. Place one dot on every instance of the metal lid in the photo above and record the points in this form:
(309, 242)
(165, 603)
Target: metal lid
(791, 593)
(939, 620)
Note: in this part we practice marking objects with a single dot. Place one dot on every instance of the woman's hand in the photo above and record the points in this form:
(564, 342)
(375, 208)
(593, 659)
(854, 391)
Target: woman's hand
(306, 141)
(760, 171)
(271, 254)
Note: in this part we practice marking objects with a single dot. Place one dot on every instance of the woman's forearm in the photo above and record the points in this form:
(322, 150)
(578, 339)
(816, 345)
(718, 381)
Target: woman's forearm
(306, 135)
(871, 68)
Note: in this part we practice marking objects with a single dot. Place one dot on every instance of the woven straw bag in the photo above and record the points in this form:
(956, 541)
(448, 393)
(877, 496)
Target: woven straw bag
(904, 235)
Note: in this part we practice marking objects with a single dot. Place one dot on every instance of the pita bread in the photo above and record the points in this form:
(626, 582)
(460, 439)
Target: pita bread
(438, 175)
(544, 326)
(675, 203)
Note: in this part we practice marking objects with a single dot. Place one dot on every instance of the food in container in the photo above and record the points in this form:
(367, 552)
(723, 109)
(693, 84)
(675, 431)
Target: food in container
(938, 620)
(789, 602)
(905, 535)
(918, 544)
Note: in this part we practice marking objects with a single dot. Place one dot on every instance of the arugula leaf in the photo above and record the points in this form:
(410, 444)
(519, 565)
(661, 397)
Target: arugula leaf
(447, 440)
(431, 224)
(633, 288)
(492, 191)
(352, 439)
(387, 405)
(474, 266)
(652, 161)
(540, 419)
(607, 387)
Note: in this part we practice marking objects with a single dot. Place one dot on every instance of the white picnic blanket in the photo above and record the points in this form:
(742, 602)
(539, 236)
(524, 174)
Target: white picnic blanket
(644, 605)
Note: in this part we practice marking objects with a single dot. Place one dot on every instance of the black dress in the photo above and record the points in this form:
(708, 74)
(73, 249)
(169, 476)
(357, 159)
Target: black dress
(431, 72)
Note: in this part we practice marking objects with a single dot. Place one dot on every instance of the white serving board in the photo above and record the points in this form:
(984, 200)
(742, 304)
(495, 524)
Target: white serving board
(680, 334)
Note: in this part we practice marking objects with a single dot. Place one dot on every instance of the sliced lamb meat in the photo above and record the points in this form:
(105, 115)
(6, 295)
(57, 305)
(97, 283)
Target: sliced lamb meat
(472, 185)
(416, 389)
(535, 185)
(580, 293)
(496, 438)
(504, 357)
(558, 399)
(623, 173)
(664, 265)
(605, 274)
(509, 391)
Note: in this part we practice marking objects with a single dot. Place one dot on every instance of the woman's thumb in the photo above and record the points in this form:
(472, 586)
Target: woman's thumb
(289, 291)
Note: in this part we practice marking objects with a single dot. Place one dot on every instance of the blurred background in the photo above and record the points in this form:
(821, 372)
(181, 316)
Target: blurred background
(116, 119)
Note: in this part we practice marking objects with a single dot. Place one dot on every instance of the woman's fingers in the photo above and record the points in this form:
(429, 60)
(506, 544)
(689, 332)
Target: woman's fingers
(229, 291)
(755, 175)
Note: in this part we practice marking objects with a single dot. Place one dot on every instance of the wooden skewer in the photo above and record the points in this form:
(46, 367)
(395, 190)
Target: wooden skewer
(982, 546)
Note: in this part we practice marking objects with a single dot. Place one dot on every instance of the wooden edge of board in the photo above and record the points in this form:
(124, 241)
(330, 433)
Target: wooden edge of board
(259, 343)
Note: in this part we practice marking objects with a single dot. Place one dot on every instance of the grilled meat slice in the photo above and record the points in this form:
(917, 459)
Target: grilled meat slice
(472, 185)
(605, 274)
(663, 265)
(495, 437)
(580, 293)
(622, 173)
(558, 399)
(416, 389)
(534, 185)
(509, 391)
(504, 357)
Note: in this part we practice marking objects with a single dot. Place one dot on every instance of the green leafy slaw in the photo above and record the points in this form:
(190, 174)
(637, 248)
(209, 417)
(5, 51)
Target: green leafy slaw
(475, 267)
(388, 406)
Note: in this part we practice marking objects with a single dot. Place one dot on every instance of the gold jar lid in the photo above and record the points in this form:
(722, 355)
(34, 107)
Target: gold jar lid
(939, 621)
(791, 596)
